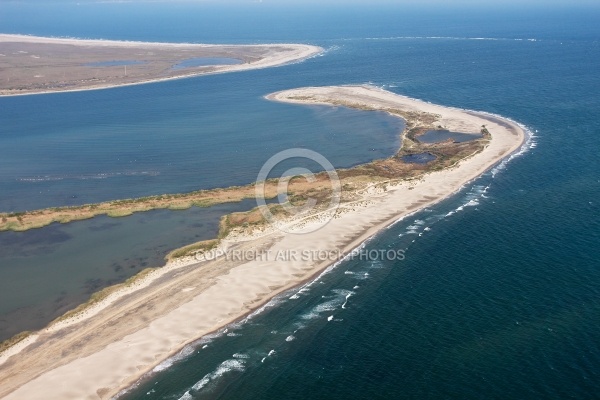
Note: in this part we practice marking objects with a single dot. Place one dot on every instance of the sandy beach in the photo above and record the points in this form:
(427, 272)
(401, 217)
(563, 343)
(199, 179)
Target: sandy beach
(109, 346)
(36, 65)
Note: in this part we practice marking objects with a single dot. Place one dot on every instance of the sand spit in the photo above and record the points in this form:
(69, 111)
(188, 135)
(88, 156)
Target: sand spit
(107, 348)
(36, 65)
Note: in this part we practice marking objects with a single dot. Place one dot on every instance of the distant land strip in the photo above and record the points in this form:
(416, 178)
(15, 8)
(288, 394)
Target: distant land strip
(36, 65)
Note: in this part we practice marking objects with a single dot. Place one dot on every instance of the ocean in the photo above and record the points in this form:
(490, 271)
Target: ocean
(498, 293)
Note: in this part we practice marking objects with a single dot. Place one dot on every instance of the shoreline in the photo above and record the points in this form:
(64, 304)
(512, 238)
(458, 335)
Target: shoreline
(327, 266)
(383, 209)
(300, 53)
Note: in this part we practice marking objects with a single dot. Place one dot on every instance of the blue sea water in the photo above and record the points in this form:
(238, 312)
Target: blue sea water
(498, 296)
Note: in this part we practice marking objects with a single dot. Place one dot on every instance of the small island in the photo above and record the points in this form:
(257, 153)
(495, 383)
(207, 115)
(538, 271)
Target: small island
(33, 64)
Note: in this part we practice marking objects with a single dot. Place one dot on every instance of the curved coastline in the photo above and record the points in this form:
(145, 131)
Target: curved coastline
(256, 282)
(297, 53)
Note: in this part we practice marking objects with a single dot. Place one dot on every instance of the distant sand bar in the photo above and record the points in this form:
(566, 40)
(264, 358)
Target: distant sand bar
(33, 64)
